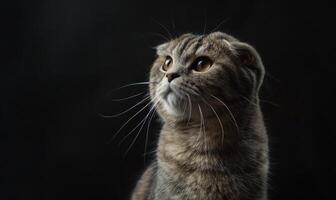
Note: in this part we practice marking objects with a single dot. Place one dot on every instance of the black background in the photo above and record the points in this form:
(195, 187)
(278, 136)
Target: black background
(62, 60)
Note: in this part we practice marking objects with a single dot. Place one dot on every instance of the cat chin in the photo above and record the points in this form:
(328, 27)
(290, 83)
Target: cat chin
(174, 105)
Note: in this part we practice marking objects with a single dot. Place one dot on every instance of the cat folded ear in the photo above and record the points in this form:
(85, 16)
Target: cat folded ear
(250, 58)
(247, 55)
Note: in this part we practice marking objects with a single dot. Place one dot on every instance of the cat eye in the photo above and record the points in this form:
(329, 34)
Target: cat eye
(201, 64)
(167, 63)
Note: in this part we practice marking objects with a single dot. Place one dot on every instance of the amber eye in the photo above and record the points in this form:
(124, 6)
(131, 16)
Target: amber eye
(167, 63)
(201, 64)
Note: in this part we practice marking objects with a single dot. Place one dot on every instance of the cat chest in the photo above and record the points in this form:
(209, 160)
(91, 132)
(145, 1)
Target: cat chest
(198, 184)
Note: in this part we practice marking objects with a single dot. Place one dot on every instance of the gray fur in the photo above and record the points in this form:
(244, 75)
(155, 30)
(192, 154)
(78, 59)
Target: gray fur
(213, 143)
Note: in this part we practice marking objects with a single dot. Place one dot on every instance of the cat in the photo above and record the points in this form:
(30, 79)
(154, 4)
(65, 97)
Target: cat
(213, 143)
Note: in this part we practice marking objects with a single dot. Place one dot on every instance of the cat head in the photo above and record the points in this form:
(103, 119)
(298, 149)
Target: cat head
(195, 71)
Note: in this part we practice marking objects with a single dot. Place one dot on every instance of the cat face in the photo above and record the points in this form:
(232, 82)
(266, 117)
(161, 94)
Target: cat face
(202, 70)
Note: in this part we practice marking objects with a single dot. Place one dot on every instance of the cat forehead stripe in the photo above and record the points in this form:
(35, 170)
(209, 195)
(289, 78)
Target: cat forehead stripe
(184, 43)
(188, 47)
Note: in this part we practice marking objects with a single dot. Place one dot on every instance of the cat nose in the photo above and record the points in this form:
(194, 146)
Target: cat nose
(172, 76)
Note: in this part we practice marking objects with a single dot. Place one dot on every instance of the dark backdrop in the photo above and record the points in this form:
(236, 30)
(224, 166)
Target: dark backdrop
(62, 60)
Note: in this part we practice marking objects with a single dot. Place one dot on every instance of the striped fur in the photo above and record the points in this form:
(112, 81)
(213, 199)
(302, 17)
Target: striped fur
(213, 143)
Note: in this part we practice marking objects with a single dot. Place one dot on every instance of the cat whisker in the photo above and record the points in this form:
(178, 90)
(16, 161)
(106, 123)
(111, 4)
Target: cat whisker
(146, 139)
(230, 113)
(130, 120)
(160, 35)
(218, 118)
(261, 100)
(270, 103)
(138, 133)
(195, 92)
(129, 97)
(202, 128)
(188, 89)
(133, 84)
(220, 24)
(129, 133)
(190, 109)
(165, 28)
(127, 110)
(199, 109)
(150, 152)
(249, 101)
(220, 123)
(172, 20)
(204, 132)
(185, 105)
(205, 22)
(137, 83)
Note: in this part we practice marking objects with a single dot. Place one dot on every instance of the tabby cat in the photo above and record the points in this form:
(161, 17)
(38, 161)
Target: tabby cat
(213, 143)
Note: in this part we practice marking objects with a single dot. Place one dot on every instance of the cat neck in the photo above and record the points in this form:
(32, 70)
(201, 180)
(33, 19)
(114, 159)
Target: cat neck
(195, 146)
(215, 139)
